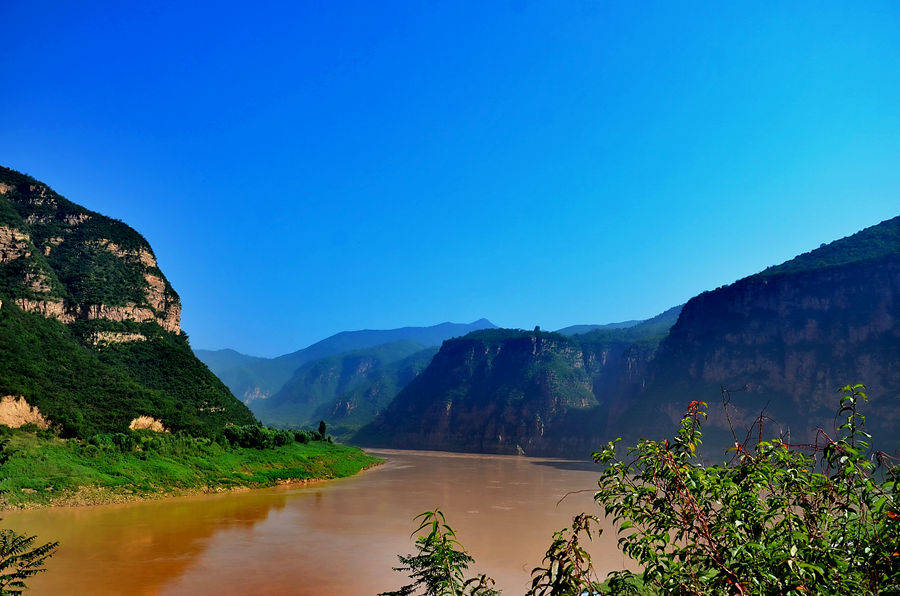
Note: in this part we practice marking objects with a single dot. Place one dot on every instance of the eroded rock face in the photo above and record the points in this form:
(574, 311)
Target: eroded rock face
(100, 338)
(14, 244)
(52, 309)
(147, 423)
(50, 238)
(16, 412)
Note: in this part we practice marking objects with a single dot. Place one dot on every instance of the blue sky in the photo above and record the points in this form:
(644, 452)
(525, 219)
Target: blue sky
(305, 168)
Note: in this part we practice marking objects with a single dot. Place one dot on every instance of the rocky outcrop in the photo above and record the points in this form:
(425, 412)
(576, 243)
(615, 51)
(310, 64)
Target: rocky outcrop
(118, 359)
(147, 423)
(52, 309)
(102, 338)
(65, 274)
(16, 412)
(14, 244)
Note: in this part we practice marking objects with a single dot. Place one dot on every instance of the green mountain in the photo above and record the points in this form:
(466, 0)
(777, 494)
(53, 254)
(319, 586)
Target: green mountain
(787, 338)
(346, 390)
(253, 378)
(509, 390)
(90, 334)
(579, 329)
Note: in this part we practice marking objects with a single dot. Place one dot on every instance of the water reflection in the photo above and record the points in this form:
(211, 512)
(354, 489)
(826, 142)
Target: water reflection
(339, 537)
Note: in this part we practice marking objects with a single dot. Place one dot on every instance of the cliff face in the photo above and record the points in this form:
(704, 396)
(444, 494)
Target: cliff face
(788, 341)
(63, 261)
(513, 392)
(89, 326)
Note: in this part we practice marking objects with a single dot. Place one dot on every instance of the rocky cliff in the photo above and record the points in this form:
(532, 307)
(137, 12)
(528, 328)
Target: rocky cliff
(508, 391)
(786, 341)
(89, 326)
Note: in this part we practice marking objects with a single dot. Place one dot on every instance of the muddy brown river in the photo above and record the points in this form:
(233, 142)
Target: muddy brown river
(337, 537)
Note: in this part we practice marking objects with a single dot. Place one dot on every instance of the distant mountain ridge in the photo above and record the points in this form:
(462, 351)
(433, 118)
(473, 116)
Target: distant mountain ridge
(579, 329)
(252, 378)
(348, 389)
(790, 335)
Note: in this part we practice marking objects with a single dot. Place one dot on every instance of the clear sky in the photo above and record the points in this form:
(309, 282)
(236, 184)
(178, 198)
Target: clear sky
(303, 168)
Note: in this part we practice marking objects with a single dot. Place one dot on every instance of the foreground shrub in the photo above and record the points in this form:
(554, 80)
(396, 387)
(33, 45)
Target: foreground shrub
(439, 565)
(777, 518)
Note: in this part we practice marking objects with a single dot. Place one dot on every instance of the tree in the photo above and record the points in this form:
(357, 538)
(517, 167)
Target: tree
(567, 565)
(777, 518)
(438, 567)
(19, 558)
(322, 430)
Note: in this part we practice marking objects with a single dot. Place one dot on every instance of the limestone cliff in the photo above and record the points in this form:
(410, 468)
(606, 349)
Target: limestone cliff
(90, 333)
(63, 261)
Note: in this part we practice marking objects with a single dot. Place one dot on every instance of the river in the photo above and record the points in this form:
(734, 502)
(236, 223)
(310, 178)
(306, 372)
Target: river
(336, 537)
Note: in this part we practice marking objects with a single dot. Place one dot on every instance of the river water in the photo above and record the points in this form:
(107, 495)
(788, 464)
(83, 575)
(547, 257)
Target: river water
(336, 537)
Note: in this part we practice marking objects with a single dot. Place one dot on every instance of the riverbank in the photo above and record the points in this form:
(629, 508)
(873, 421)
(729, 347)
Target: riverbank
(43, 470)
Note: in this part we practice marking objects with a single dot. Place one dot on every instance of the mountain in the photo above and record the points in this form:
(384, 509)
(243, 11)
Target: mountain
(579, 329)
(90, 335)
(346, 390)
(506, 390)
(791, 335)
(253, 378)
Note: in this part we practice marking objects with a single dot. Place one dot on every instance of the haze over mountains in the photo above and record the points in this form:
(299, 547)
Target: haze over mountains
(253, 378)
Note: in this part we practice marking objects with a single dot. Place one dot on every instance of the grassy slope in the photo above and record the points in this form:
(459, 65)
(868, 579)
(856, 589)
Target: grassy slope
(55, 471)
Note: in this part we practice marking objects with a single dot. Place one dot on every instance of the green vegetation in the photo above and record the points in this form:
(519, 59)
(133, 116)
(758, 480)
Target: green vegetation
(85, 389)
(777, 518)
(347, 390)
(874, 242)
(82, 271)
(439, 565)
(44, 469)
(20, 559)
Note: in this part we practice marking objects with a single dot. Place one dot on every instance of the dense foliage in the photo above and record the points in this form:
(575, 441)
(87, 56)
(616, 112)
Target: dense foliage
(106, 387)
(872, 243)
(45, 469)
(777, 518)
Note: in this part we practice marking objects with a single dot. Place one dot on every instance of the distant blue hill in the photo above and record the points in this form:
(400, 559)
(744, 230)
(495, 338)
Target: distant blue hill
(251, 377)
